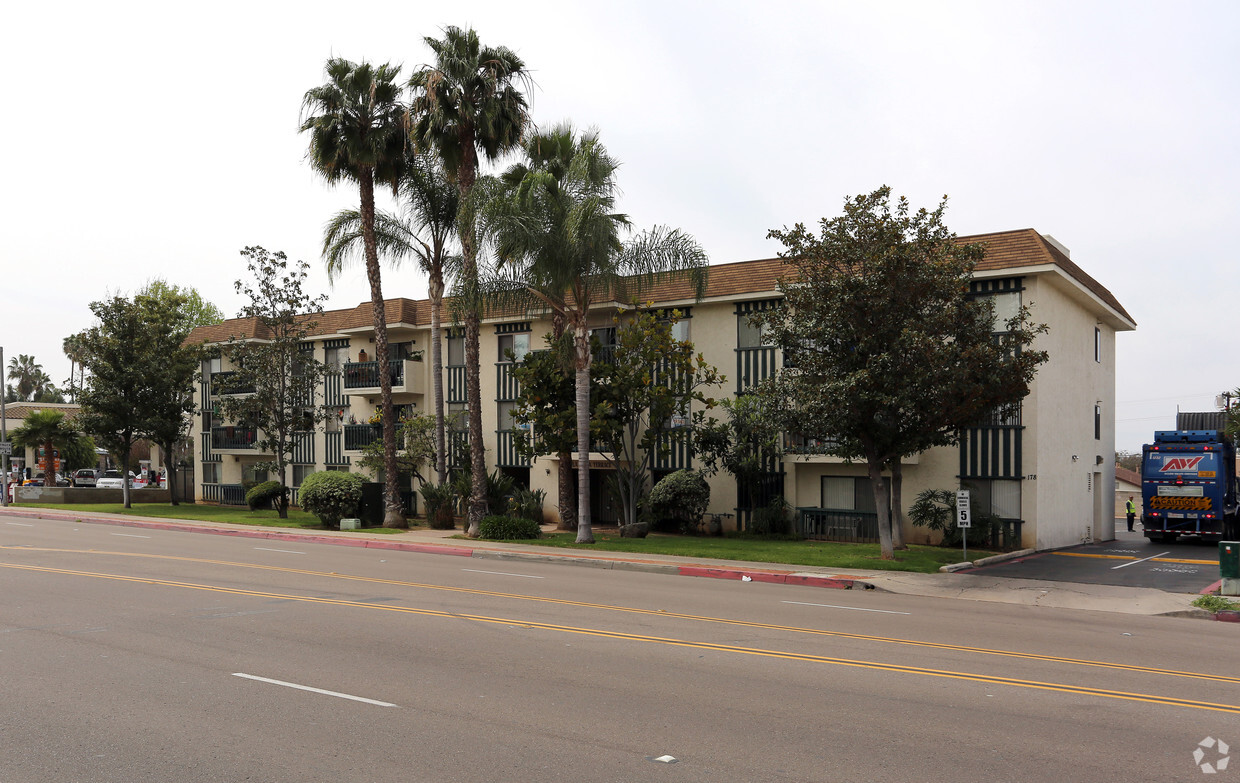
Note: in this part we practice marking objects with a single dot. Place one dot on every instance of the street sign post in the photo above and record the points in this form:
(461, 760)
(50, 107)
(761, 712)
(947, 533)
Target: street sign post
(963, 518)
(6, 448)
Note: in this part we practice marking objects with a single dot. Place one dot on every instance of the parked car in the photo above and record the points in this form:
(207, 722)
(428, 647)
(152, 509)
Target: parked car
(84, 477)
(110, 479)
(39, 480)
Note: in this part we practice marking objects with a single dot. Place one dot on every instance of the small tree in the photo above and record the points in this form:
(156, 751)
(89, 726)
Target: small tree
(51, 432)
(681, 497)
(646, 396)
(274, 361)
(415, 447)
(331, 495)
(746, 445)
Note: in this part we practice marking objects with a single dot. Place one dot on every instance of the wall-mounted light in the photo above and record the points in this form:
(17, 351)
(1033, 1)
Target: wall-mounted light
(1075, 458)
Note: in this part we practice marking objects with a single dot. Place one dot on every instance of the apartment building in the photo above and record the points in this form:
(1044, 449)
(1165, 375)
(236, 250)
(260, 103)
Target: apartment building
(1046, 469)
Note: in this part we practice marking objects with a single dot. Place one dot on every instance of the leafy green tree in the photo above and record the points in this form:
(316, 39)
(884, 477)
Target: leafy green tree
(274, 363)
(415, 441)
(468, 103)
(172, 312)
(50, 431)
(78, 454)
(120, 356)
(747, 444)
(424, 232)
(886, 355)
(558, 236)
(356, 127)
(193, 310)
(648, 392)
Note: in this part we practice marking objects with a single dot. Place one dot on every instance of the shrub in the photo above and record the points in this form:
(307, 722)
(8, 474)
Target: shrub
(331, 496)
(505, 527)
(679, 500)
(499, 488)
(935, 510)
(440, 499)
(773, 519)
(527, 504)
(261, 496)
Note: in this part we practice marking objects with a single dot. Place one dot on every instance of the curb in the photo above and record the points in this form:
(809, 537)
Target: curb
(985, 561)
(807, 579)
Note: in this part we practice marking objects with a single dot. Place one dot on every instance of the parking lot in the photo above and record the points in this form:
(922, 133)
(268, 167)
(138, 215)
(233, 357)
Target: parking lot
(1131, 560)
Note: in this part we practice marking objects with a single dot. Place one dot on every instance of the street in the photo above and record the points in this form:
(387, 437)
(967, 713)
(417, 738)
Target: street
(146, 655)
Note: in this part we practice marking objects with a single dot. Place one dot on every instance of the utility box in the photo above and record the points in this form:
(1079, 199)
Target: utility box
(1229, 567)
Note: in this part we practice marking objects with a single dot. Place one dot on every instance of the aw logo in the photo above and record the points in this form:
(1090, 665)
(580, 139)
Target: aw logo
(1181, 465)
(1221, 757)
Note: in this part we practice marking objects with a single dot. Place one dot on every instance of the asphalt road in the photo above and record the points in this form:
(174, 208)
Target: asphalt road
(1131, 560)
(132, 655)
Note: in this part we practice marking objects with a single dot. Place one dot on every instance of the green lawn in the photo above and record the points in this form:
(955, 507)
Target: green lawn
(825, 554)
(235, 515)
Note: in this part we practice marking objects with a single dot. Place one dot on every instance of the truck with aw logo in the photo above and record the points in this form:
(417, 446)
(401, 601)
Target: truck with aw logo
(1188, 486)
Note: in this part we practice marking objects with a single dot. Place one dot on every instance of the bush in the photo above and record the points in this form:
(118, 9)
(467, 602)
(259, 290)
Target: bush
(679, 500)
(440, 499)
(262, 496)
(527, 504)
(499, 488)
(505, 527)
(331, 496)
(773, 519)
(935, 510)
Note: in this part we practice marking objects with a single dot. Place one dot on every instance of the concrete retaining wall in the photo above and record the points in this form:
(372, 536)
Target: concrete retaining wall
(89, 495)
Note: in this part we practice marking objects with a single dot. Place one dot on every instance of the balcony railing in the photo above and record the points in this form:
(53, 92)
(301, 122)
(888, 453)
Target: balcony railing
(226, 383)
(359, 436)
(365, 375)
(802, 444)
(232, 438)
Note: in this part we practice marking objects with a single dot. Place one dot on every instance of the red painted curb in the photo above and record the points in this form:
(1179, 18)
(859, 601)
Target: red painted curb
(820, 581)
(1212, 588)
(1227, 616)
(808, 580)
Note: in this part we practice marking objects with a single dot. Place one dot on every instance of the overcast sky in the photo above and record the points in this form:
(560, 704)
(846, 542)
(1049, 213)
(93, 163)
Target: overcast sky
(157, 140)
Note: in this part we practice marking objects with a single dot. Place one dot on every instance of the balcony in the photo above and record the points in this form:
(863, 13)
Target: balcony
(362, 378)
(224, 383)
(234, 439)
(359, 436)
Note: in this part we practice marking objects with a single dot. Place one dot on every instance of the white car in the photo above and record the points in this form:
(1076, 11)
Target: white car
(110, 479)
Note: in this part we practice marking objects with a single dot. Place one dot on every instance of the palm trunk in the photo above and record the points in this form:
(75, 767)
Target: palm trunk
(436, 348)
(585, 534)
(897, 506)
(568, 498)
(393, 513)
(466, 174)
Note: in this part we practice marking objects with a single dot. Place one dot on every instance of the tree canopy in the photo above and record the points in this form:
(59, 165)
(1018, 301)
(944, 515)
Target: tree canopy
(886, 353)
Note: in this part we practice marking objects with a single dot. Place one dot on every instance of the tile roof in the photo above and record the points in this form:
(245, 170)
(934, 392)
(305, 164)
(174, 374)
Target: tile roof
(749, 279)
(20, 410)
(1130, 476)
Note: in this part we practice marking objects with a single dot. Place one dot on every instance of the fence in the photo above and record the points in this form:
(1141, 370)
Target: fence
(826, 524)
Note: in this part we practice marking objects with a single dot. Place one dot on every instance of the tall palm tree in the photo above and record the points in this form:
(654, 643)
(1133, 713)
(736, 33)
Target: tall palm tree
(355, 122)
(557, 231)
(425, 233)
(469, 102)
(25, 374)
(71, 345)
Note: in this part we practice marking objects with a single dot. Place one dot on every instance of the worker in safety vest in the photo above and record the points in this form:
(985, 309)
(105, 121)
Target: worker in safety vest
(1132, 512)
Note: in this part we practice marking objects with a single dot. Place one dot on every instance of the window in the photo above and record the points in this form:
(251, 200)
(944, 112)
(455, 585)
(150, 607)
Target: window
(300, 472)
(1098, 422)
(996, 497)
(1097, 345)
(335, 358)
(456, 349)
(749, 335)
(1007, 307)
(505, 417)
(518, 344)
(251, 474)
(458, 417)
(341, 468)
(680, 330)
(848, 493)
(210, 473)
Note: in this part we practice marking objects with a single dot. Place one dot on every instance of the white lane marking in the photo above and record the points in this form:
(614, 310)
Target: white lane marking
(502, 573)
(854, 608)
(20, 524)
(1142, 560)
(314, 690)
(285, 551)
(130, 535)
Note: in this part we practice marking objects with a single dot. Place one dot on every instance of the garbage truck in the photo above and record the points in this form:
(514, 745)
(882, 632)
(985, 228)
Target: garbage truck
(1188, 486)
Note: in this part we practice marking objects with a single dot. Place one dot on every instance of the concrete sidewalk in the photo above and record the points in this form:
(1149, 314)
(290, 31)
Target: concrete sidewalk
(973, 587)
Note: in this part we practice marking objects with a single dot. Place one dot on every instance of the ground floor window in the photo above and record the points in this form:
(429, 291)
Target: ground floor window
(210, 473)
(997, 497)
(848, 493)
(300, 472)
(341, 468)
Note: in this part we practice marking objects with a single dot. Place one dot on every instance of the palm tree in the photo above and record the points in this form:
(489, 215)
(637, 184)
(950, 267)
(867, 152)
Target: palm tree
(556, 230)
(356, 134)
(467, 103)
(72, 347)
(25, 372)
(49, 430)
(430, 208)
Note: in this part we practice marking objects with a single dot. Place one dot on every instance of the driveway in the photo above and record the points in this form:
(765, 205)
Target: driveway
(1130, 560)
